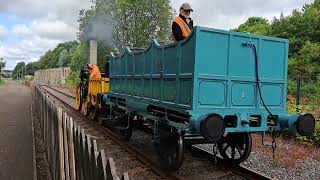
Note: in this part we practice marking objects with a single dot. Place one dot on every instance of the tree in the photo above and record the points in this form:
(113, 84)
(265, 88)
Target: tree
(32, 67)
(138, 21)
(79, 56)
(60, 56)
(116, 24)
(255, 25)
(302, 28)
(307, 63)
(18, 69)
(63, 58)
(128, 22)
(3, 64)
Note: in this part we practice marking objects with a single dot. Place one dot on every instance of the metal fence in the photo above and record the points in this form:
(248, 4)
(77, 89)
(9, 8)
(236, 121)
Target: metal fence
(72, 154)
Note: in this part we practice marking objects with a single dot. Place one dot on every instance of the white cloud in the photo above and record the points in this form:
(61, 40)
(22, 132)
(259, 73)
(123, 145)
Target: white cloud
(21, 30)
(27, 50)
(3, 32)
(57, 30)
(35, 9)
(51, 23)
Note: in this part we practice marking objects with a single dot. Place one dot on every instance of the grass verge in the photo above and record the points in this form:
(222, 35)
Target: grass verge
(1, 83)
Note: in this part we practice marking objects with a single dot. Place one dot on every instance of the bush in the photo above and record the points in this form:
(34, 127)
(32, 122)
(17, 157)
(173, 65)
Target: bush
(316, 135)
(315, 138)
(291, 108)
(291, 87)
(73, 78)
(29, 77)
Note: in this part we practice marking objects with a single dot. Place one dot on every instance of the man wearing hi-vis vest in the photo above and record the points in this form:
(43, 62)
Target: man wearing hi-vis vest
(182, 24)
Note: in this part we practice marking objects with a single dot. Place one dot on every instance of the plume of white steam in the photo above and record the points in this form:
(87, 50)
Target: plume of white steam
(100, 27)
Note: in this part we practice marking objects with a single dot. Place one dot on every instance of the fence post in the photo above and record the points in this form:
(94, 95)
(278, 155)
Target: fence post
(56, 160)
(83, 154)
(76, 151)
(45, 120)
(125, 176)
(93, 156)
(71, 148)
(65, 144)
(61, 149)
(298, 95)
(49, 135)
(80, 155)
(111, 170)
(101, 166)
(87, 156)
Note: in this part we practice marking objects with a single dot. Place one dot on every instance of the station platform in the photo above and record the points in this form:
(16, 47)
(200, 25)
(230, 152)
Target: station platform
(16, 141)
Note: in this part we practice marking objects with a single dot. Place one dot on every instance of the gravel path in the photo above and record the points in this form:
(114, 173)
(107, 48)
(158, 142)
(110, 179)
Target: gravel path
(308, 168)
(15, 132)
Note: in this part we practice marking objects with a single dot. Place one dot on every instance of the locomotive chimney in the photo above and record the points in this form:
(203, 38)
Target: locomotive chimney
(93, 52)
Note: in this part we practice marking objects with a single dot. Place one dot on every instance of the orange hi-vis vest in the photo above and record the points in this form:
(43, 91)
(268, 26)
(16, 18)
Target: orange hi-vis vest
(183, 26)
(94, 72)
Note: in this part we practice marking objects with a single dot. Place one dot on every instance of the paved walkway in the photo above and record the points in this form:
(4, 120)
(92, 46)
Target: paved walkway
(15, 132)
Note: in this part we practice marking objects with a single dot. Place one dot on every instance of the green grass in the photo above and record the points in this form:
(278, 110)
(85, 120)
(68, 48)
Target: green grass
(1, 83)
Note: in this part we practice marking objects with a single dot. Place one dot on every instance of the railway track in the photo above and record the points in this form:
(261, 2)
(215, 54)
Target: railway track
(221, 172)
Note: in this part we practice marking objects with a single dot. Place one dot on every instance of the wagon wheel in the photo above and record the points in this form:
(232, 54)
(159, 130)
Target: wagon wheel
(171, 149)
(236, 147)
(79, 99)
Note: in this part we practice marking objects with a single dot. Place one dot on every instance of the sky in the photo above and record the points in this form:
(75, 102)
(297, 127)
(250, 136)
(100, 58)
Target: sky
(30, 28)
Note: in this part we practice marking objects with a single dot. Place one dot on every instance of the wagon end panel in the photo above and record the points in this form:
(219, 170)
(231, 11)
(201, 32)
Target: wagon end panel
(228, 70)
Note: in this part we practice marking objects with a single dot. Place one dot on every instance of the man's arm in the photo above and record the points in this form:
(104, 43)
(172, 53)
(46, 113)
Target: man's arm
(191, 23)
(176, 31)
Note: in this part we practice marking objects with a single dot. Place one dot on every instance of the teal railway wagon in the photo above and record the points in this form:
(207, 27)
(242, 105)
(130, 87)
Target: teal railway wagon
(216, 85)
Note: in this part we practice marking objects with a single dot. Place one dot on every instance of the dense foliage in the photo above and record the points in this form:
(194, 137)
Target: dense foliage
(17, 71)
(302, 28)
(3, 64)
